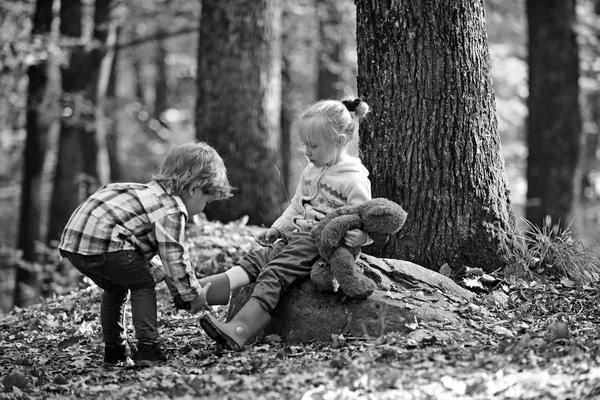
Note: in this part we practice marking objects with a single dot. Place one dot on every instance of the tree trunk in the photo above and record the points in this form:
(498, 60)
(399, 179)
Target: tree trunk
(239, 103)
(112, 138)
(42, 112)
(554, 123)
(330, 82)
(105, 32)
(70, 160)
(432, 142)
(42, 98)
(299, 79)
(161, 88)
(82, 164)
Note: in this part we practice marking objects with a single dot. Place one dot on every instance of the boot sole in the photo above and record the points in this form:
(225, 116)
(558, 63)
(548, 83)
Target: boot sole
(217, 335)
(148, 364)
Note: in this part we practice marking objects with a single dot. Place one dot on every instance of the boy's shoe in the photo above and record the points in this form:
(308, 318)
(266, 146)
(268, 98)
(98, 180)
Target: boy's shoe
(149, 353)
(115, 353)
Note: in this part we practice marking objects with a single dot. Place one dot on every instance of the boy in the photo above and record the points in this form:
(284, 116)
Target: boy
(112, 236)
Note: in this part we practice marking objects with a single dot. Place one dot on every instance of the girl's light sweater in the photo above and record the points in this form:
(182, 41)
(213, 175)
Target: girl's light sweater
(322, 189)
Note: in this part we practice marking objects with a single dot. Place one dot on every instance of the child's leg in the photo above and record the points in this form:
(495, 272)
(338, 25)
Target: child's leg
(114, 295)
(293, 262)
(112, 315)
(129, 269)
(250, 266)
(238, 277)
(246, 271)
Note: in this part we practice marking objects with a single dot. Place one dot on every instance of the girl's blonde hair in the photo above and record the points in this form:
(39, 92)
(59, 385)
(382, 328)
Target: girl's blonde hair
(195, 165)
(326, 120)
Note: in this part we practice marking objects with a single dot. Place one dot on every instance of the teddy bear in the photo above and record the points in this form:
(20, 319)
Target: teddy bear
(379, 217)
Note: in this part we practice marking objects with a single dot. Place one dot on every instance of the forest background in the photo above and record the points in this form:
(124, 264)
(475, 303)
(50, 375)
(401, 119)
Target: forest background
(151, 97)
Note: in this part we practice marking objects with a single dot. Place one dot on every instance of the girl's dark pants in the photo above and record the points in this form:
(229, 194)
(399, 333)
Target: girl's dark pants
(279, 265)
(117, 273)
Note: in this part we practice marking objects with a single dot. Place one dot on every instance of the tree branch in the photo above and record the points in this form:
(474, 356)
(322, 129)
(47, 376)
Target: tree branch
(156, 36)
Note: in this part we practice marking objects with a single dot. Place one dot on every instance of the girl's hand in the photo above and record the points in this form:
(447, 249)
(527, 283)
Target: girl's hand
(199, 303)
(355, 237)
(267, 237)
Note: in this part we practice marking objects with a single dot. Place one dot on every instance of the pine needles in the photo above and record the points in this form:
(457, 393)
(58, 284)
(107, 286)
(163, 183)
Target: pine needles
(560, 253)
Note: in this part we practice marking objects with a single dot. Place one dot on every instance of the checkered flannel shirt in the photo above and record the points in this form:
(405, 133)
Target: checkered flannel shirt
(135, 216)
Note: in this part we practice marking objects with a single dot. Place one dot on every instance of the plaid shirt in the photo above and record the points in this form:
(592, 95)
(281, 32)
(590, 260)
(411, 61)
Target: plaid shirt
(135, 216)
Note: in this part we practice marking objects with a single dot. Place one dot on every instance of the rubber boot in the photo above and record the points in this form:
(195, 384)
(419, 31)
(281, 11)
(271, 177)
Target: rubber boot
(244, 326)
(219, 290)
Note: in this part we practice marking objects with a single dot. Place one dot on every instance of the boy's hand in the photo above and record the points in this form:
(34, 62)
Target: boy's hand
(180, 303)
(267, 237)
(355, 237)
(199, 303)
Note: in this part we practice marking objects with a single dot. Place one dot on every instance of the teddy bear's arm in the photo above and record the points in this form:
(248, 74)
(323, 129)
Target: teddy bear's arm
(336, 229)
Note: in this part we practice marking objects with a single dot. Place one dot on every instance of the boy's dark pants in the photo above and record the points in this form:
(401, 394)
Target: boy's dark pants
(117, 273)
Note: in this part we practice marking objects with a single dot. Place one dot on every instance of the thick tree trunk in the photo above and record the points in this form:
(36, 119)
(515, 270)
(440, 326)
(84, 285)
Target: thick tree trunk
(239, 102)
(42, 113)
(70, 160)
(554, 123)
(432, 142)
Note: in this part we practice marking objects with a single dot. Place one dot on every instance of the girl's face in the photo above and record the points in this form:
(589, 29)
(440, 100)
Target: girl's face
(320, 153)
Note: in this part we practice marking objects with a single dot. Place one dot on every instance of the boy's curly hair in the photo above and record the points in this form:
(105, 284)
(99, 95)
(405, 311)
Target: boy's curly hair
(195, 165)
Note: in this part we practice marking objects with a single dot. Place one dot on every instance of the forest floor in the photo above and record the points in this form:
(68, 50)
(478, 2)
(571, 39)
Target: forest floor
(541, 342)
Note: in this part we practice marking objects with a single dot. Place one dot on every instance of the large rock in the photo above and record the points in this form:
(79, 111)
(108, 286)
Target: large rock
(407, 294)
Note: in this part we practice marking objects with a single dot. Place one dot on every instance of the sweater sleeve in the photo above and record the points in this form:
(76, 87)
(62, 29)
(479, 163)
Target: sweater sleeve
(359, 192)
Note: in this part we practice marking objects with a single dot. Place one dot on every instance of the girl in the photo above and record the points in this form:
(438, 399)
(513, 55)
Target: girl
(332, 179)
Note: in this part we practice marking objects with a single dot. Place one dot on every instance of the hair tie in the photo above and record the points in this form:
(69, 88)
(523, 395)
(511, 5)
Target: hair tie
(352, 104)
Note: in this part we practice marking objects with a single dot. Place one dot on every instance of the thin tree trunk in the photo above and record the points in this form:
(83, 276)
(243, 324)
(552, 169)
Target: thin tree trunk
(299, 79)
(554, 122)
(432, 141)
(112, 138)
(105, 31)
(161, 88)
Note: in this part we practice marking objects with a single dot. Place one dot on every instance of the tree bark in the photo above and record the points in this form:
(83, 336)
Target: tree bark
(239, 102)
(299, 79)
(432, 142)
(330, 79)
(42, 113)
(83, 163)
(554, 128)
(161, 88)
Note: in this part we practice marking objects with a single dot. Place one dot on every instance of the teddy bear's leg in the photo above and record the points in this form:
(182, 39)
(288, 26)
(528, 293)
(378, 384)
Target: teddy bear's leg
(352, 282)
(322, 277)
